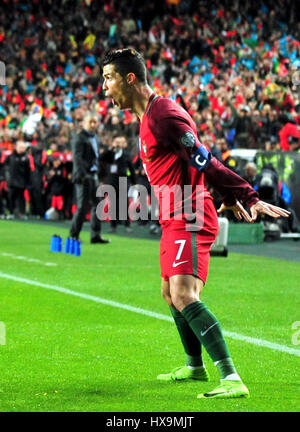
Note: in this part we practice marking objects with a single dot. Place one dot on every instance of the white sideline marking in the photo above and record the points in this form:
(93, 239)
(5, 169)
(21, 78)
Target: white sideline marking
(51, 264)
(232, 335)
(23, 258)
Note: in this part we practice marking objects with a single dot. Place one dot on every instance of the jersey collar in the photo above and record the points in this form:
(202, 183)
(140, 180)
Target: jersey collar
(150, 101)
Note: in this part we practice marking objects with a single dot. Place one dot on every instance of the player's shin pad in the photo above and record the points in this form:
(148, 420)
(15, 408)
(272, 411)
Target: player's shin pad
(200, 158)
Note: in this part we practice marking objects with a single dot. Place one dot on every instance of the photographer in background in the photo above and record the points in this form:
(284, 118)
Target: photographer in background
(119, 165)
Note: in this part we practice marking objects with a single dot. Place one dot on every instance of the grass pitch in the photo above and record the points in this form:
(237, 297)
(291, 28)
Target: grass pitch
(69, 353)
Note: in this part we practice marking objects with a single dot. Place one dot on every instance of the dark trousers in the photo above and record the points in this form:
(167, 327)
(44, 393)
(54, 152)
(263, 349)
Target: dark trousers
(86, 198)
(1, 205)
(117, 221)
(2, 209)
(16, 200)
(36, 198)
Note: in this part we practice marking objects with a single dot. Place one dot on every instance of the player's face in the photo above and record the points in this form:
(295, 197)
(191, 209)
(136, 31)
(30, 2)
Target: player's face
(115, 87)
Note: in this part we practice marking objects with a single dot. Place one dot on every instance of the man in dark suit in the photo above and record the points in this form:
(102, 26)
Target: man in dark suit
(85, 176)
(2, 182)
(18, 177)
(38, 161)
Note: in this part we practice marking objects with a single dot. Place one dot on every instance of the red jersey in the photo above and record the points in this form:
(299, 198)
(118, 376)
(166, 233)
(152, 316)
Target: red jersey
(168, 135)
(289, 130)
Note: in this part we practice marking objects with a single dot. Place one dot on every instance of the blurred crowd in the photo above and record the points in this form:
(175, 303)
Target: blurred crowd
(234, 66)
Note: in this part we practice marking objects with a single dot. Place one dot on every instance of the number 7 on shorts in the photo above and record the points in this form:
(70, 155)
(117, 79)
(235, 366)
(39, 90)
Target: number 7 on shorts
(180, 250)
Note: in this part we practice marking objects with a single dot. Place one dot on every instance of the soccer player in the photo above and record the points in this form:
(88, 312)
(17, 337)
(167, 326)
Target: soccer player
(172, 156)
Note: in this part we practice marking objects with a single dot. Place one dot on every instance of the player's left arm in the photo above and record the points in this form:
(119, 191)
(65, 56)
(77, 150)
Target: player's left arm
(256, 209)
(174, 131)
(237, 193)
(178, 133)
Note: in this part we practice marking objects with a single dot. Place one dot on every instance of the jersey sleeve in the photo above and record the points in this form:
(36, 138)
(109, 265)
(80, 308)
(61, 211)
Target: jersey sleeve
(229, 185)
(171, 129)
(175, 129)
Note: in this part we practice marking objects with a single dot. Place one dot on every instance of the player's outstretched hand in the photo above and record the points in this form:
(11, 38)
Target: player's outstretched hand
(269, 209)
(238, 210)
(256, 209)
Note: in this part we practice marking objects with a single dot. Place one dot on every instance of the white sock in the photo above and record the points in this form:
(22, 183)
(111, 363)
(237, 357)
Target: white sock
(195, 367)
(232, 377)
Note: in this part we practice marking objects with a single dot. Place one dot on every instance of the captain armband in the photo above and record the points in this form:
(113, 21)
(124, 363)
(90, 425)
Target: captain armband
(200, 158)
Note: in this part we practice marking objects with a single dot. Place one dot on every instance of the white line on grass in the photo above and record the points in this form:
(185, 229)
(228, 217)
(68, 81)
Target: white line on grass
(232, 335)
(51, 264)
(31, 260)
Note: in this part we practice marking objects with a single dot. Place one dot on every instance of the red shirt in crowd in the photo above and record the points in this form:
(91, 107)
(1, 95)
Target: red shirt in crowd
(289, 130)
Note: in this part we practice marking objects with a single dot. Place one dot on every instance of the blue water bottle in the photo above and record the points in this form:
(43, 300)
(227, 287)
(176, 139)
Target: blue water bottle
(77, 248)
(53, 243)
(67, 246)
(72, 246)
(59, 244)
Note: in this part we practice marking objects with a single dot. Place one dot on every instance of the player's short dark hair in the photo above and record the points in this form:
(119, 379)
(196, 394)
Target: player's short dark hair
(125, 61)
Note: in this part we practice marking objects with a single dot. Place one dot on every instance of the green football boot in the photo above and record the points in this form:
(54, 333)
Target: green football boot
(227, 389)
(184, 373)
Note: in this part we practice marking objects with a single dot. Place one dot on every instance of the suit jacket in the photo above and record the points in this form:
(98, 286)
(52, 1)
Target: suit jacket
(84, 156)
(2, 177)
(17, 170)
